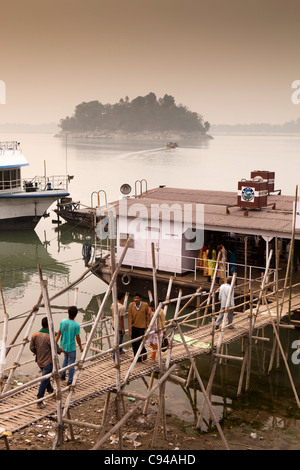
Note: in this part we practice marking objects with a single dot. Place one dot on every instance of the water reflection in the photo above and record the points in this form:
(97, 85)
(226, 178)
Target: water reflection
(20, 253)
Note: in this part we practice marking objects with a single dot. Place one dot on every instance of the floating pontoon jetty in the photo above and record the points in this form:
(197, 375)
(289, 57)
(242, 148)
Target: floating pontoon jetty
(191, 333)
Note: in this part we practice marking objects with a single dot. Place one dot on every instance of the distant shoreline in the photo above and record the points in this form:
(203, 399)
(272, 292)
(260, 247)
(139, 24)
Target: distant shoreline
(168, 136)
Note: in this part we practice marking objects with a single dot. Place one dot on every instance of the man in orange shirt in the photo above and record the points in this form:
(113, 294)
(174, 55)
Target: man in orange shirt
(138, 321)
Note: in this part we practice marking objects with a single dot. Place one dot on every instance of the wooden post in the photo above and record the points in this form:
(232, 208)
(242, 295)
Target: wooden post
(22, 347)
(60, 426)
(149, 387)
(245, 271)
(116, 330)
(249, 346)
(292, 252)
(211, 288)
(275, 348)
(4, 338)
(98, 317)
(219, 345)
(283, 355)
(134, 408)
(202, 388)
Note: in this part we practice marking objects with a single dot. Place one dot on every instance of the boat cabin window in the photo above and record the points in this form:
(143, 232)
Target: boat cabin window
(10, 178)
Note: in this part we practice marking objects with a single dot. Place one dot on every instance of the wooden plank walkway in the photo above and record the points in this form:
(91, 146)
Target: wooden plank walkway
(99, 376)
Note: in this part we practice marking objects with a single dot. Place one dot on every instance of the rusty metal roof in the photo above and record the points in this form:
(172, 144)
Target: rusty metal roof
(221, 212)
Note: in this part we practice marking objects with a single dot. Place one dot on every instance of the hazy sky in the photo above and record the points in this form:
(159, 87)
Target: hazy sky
(233, 61)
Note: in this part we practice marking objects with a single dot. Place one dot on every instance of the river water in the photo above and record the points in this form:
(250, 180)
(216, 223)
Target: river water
(216, 164)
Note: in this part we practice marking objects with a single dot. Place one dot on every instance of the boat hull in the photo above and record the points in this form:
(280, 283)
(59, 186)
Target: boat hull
(23, 212)
(138, 280)
(19, 223)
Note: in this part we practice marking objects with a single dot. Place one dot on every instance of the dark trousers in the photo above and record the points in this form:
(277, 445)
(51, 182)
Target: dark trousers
(135, 333)
(46, 383)
(121, 350)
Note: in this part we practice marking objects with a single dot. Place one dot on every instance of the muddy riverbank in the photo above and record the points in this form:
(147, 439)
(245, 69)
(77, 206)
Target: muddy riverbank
(243, 430)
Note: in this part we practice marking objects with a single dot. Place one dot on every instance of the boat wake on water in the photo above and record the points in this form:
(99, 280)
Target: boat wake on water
(141, 152)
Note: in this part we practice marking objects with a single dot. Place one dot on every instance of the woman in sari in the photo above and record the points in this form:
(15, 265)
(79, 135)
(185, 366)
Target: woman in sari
(211, 254)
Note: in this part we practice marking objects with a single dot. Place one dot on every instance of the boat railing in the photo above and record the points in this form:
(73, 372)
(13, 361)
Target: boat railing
(38, 183)
(183, 265)
(46, 183)
(9, 145)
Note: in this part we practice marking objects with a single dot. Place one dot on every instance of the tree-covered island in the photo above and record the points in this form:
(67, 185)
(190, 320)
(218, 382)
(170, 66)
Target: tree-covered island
(144, 114)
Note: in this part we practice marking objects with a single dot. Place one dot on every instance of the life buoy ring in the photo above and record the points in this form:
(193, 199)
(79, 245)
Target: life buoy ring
(126, 279)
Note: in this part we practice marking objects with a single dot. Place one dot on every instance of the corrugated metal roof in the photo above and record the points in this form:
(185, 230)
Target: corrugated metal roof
(221, 212)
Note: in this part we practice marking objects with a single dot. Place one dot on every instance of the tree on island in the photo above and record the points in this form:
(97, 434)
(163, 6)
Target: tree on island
(143, 113)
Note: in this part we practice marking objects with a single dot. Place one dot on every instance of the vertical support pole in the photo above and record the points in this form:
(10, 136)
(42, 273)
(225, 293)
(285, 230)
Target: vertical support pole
(219, 346)
(4, 339)
(60, 426)
(245, 271)
(249, 346)
(98, 317)
(292, 252)
(203, 388)
(116, 330)
(211, 288)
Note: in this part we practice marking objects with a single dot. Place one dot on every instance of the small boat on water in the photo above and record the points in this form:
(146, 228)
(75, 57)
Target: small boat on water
(24, 202)
(172, 145)
(76, 213)
(80, 215)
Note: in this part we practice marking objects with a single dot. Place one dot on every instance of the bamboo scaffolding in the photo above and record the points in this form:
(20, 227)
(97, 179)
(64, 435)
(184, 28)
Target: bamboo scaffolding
(4, 338)
(165, 368)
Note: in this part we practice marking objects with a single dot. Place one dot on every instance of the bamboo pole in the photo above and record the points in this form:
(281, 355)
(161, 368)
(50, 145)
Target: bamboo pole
(211, 288)
(245, 360)
(149, 387)
(203, 389)
(152, 321)
(60, 428)
(4, 339)
(135, 407)
(249, 346)
(245, 270)
(21, 350)
(161, 410)
(116, 331)
(283, 356)
(92, 332)
(292, 251)
(33, 310)
(219, 345)
(275, 348)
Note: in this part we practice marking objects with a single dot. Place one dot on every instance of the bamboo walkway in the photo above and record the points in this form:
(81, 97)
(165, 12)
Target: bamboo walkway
(99, 377)
(190, 336)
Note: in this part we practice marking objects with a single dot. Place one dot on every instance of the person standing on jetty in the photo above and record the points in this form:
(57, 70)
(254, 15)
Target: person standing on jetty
(138, 321)
(223, 295)
(155, 336)
(69, 331)
(40, 345)
(121, 313)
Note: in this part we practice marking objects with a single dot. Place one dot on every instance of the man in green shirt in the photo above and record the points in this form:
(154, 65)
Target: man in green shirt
(69, 331)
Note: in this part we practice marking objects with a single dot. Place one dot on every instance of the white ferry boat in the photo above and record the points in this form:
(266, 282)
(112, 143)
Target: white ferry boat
(24, 202)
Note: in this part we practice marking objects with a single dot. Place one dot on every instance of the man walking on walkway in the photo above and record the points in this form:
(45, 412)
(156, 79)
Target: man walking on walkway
(40, 345)
(138, 321)
(223, 295)
(69, 331)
